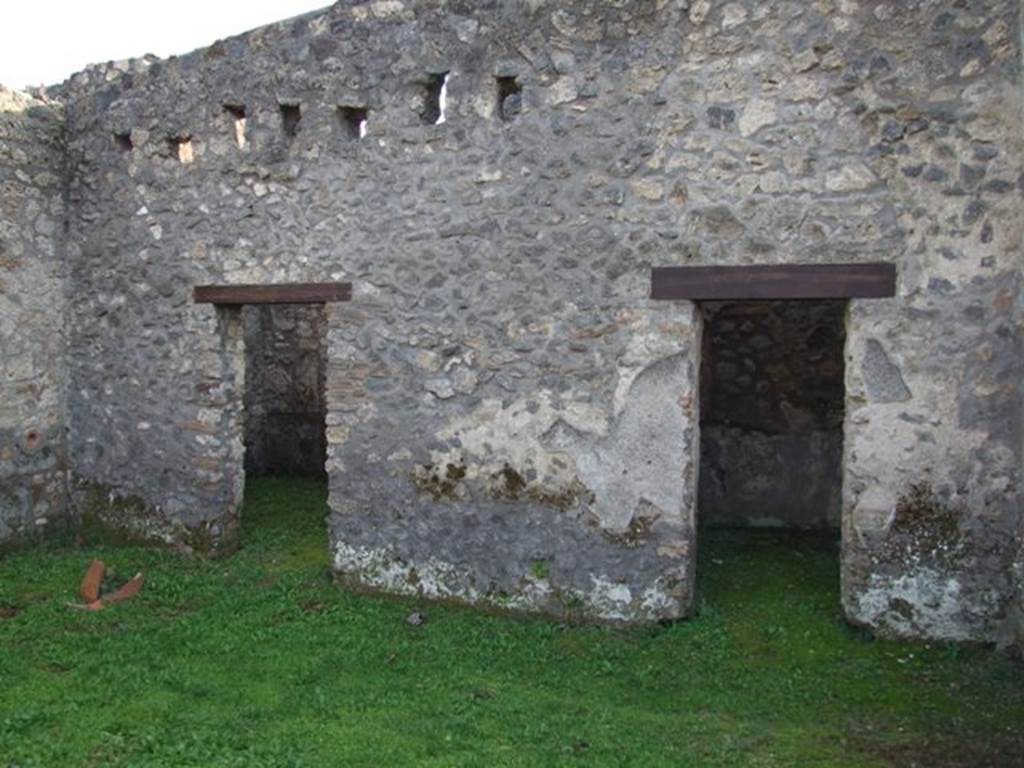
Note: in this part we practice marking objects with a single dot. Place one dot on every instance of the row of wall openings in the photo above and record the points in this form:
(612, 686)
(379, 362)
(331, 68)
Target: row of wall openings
(509, 92)
(180, 146)
(352, 120)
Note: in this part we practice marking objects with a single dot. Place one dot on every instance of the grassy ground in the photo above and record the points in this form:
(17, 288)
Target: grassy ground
(259, 660)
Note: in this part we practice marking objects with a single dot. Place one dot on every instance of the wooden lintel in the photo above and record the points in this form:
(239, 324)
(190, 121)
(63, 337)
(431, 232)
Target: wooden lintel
(283, 293)
(783, 281)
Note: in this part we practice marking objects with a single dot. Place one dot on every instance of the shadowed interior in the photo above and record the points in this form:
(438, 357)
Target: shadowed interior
(772, 414)
(284, 391)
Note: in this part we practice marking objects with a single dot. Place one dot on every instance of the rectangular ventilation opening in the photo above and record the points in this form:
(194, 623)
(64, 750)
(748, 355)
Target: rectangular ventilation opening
(181, 148)
(352, 121)
(291, 115)
(510, 98)
(237, 114)
(435, 97)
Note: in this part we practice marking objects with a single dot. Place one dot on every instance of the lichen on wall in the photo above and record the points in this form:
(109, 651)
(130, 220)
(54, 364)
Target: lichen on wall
(33, 371)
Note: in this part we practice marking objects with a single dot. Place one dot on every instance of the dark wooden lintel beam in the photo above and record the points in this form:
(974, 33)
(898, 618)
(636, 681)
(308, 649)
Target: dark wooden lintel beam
(783, 281)
(283, 293)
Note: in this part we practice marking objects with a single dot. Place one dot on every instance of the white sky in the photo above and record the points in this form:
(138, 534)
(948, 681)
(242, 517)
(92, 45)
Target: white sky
(45, 41)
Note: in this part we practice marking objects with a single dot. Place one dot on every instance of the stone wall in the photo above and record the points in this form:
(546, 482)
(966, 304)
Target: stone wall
(1010, 637)
(285, 358)
(33, 375)
(772, 414)
(932, 484)
(510, 418)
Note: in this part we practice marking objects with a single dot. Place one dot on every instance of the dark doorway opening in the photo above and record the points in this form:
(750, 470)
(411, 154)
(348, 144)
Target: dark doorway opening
(285, 409)
(772, 404)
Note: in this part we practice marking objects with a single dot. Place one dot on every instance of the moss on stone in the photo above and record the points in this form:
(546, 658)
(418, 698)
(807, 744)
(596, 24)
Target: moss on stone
(199, 540)
(635, 533)
(508, 484)
(574, 607)
(105, 516)
(540, 569)
(927, 529)
(563, 499)
(440, 483)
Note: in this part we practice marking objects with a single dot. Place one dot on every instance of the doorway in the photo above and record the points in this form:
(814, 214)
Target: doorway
(772, 405)
(284, 399)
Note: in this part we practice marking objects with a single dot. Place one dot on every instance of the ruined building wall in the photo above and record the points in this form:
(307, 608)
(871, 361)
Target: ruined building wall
(493, 385)
(510, 418)
(932, 487)
(285, 370)
(1013, 632)
(771, 422)
(33, 376)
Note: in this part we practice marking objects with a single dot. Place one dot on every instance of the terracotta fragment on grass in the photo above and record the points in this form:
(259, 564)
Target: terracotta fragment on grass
(126, 592)
(90, 589)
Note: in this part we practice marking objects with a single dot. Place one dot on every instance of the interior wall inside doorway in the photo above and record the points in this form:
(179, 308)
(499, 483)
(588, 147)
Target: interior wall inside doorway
(284, 389)
(772, 402)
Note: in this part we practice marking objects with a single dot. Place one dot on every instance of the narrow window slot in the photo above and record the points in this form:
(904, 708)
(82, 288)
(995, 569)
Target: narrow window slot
(510, 98)
(353, 122)
(435, 98)
(181, 147)
(291, 114)
(237, 113)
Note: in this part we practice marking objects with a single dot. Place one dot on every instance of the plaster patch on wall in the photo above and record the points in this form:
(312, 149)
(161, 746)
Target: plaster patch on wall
(648, 343)
(632, 462)
(629, 462)
(497, 434)
(640, 462)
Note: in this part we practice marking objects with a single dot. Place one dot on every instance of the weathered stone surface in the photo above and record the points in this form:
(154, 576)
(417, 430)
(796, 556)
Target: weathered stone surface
(570, 475)
(500, 361)
(943, 456)
(33, 368)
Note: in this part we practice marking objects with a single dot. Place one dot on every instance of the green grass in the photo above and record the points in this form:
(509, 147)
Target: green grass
(260, 660)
